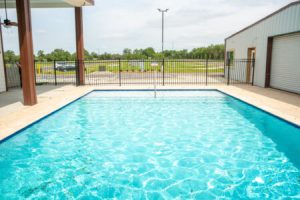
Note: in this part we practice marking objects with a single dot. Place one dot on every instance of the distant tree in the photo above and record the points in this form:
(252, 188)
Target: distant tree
(73, 56)
(94, 56)
(149, 52)
(41, 56)
(10, 56)
(138, 54)
(170, 53)
(211, 52)
(105, 56)
(87, 55)
(127, 53)
(59, 55)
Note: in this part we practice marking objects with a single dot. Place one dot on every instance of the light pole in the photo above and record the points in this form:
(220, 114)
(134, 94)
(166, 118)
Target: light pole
(162, 24)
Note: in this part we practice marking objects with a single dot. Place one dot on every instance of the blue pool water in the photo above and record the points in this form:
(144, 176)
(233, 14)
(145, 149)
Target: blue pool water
(128, 145)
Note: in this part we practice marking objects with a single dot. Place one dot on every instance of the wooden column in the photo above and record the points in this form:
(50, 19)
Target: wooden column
(79, 43)
(26, 51)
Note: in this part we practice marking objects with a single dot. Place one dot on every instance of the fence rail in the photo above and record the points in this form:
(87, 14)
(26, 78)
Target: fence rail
(165, 71)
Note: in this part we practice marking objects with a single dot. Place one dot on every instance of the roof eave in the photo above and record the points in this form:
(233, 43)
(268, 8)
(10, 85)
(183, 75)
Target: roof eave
(89, 2)
(268, 16)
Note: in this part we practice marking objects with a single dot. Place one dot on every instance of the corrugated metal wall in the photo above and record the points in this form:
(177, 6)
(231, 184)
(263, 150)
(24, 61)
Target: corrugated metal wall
(286, 21)
(2, 73)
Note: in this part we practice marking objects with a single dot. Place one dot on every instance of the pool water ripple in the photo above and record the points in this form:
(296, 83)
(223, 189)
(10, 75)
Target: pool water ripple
(203, 146)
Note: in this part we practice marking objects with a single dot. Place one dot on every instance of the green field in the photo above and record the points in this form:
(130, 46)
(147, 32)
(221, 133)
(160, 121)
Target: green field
(170, 66)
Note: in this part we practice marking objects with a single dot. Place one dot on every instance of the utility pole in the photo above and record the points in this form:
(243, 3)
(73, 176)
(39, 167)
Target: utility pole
(162, 24)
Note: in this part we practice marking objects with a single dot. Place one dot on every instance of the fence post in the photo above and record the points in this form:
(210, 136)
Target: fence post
(54, 68)
(163, 68)
(18, 64)
(228, 70)
(20, 71)
(253, 70)
(206, 72)
(77, 72)
(120, 72)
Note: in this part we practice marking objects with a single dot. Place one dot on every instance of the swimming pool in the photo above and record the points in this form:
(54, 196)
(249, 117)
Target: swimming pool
(129, 145)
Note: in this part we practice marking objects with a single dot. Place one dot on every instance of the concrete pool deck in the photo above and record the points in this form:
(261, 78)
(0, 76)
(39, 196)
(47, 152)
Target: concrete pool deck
(14, 115)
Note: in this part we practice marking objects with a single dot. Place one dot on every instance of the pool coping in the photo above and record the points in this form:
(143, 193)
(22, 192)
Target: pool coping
(142, 90)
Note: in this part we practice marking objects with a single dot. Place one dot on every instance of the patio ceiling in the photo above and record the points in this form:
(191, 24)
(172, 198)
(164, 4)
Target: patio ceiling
(50, 3)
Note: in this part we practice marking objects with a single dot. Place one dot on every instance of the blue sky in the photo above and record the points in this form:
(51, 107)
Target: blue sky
(112, 25)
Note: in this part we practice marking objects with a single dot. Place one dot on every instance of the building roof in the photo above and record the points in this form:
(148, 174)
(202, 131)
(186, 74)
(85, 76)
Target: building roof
(50, 3)
(272, 14)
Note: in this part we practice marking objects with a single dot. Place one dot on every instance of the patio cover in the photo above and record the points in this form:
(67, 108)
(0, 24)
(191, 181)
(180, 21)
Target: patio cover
(23, 8)
(50, 3)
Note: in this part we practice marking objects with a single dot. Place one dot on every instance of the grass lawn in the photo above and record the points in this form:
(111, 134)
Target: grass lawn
(171, 66)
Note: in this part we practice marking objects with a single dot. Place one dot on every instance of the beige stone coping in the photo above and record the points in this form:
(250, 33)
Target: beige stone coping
(282, 104)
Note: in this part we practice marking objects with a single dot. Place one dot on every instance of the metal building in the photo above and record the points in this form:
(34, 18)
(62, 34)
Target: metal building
(2, 68)
(274, 43)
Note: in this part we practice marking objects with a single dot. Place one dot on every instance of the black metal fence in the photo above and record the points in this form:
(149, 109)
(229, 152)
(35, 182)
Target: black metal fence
(163, 72)
(56, 72)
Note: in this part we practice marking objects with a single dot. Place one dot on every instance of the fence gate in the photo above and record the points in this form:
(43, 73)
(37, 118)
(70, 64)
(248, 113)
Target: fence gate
(56, 72)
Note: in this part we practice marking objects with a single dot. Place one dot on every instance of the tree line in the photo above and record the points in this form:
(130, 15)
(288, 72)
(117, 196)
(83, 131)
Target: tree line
(211, 52)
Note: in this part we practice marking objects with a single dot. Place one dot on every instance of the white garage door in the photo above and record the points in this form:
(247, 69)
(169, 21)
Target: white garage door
(285, 69)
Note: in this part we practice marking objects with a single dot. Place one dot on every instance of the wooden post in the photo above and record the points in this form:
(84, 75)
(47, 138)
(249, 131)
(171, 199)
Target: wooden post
(26, 52)
(79, 43)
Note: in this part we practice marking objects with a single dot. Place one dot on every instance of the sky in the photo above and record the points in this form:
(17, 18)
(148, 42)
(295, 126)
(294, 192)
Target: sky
(112, 25)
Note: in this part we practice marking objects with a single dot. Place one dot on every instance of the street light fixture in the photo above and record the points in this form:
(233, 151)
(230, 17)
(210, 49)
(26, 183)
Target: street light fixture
(163, 11)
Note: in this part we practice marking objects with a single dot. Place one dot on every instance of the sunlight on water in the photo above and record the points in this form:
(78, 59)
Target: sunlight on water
(128, 145)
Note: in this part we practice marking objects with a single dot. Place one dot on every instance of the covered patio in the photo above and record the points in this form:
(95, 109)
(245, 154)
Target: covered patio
(23, 8)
